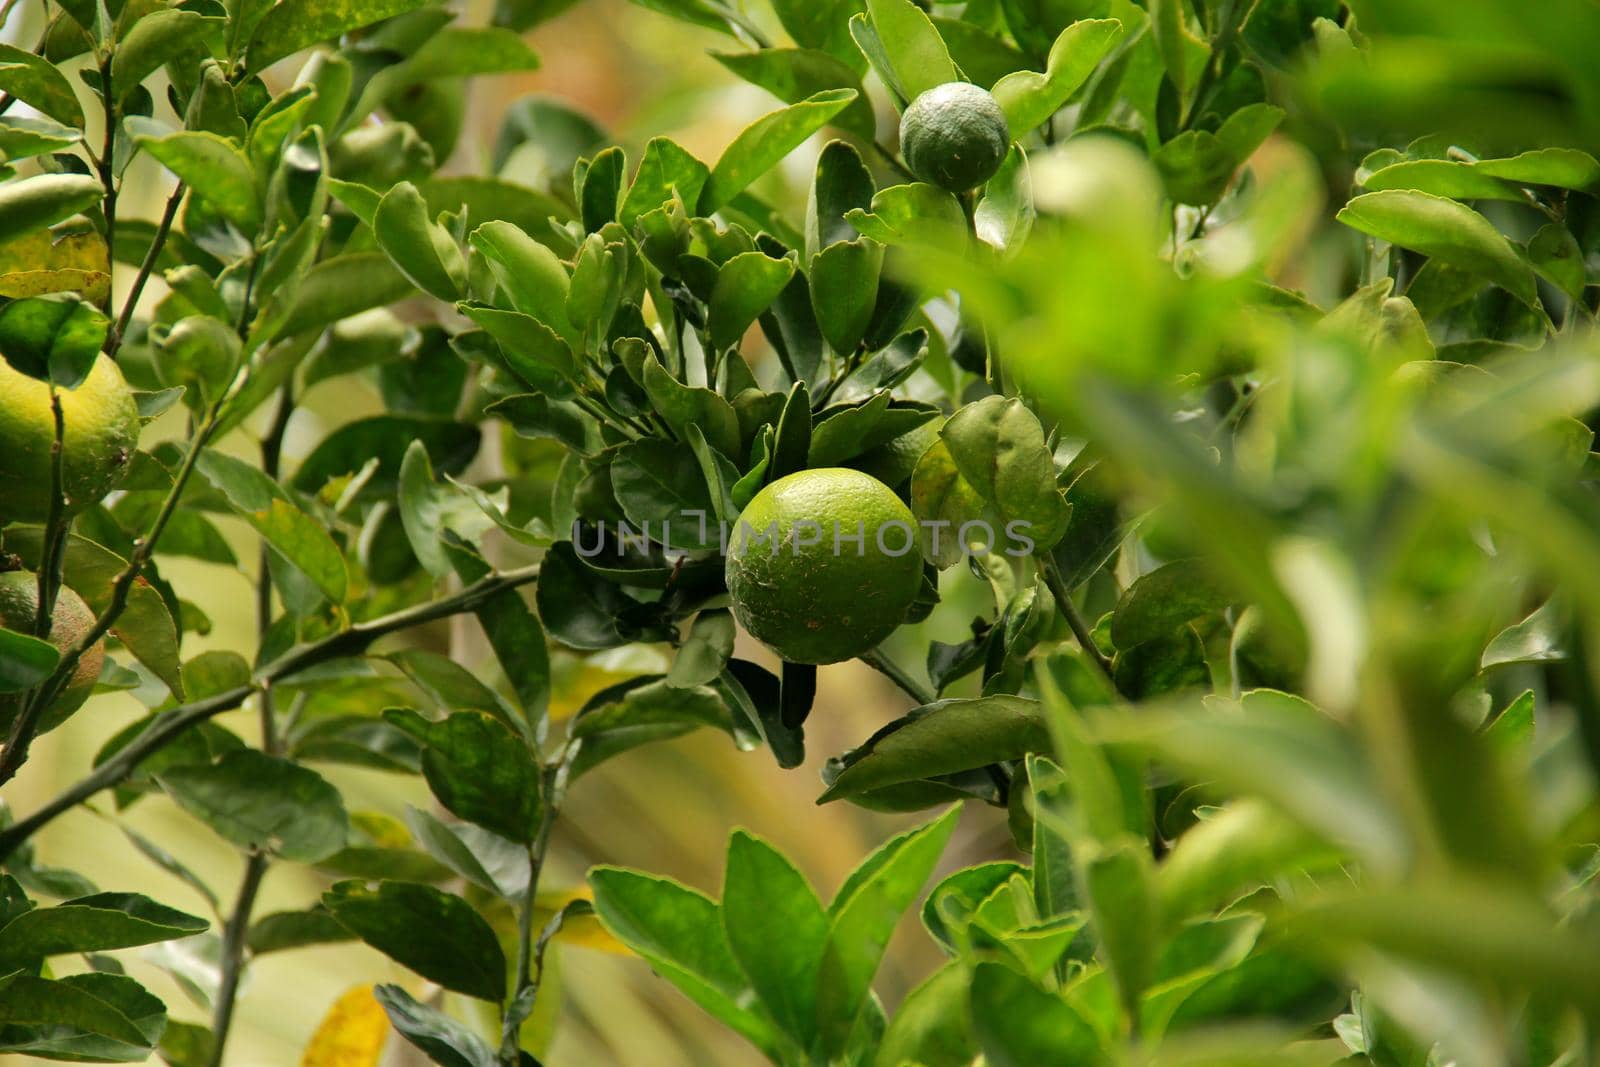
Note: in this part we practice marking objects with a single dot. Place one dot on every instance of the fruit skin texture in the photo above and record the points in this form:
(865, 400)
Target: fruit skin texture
(806, 602)
(102, 430)
(954, 136)
(19, 602)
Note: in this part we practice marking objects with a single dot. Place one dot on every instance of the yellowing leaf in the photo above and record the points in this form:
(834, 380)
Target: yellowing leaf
(352, 1034)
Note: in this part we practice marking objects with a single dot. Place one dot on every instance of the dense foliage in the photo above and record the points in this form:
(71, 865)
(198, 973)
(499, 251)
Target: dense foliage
(1272, 328)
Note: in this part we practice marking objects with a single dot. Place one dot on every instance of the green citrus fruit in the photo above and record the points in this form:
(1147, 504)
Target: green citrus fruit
(102, 429)
(954, 136)
(19, 603)
(823, 565)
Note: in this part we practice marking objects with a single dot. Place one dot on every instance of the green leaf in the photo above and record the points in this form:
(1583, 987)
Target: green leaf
(640, 712)
(667, 168)
(913, 214)
(435, 934)
(215, 169)
(679, 932)
(147, 1014)
(776, 930)
(1441, 177)
(58, 337)
(452, 52)
(40, 84)
(1279, 747)
(765, 142)
(35, 1011)
(1118, 886)
(262, 802)
(98, 923)
(1198, 165)
(999, 447)
(342, 286)
(163, 36)
(1535, 639)
(1564, 168)
(1247, 844)
(931, 1026)
(915, 49)
(579, 608)
(1019, 1025)
(793, 74)
(291, 25)
(444, 1040)
(1163, 600)
(480, 771)
(681, 405)
(1450, 232)
(1555, 254)
(863, 917)
(450, 685)
(299, 539)
(823, 25)
(705, 652)
(145, 627)
(531, 349)
(284, 930)
(746, 286)
(29, 204)
(422, 249)
(843, 279)
(1029, 98)
(24, 661)
(979, 53)
(530, 274)
(24, 138)
(451, 446)
(1005, 215)
(842, 183)
(943, 738)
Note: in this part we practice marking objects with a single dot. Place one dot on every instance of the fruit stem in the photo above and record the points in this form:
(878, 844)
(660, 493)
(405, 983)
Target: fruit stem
(891, 670)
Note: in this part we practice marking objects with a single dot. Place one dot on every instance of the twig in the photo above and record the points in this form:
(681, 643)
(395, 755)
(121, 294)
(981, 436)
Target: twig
(105, 165)
(898, 675)
(530, 955)
(1080, 626)
(169, 724)
(146, 267)
(234, 933)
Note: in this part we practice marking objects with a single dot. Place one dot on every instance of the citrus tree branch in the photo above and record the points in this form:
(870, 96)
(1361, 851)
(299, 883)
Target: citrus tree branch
(169, 724)
(899, 676)
(146, 268)
(1080, 626)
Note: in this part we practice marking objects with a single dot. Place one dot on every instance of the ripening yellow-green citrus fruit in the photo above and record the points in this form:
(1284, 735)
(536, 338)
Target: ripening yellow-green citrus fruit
(102, 430)
(955, 136)
(19, 604)
(823, 565)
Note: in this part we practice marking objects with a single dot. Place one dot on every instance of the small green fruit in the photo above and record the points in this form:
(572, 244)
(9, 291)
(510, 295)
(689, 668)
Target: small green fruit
(954, 136)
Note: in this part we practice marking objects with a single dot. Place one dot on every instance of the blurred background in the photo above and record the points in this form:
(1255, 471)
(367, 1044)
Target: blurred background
(665, 808)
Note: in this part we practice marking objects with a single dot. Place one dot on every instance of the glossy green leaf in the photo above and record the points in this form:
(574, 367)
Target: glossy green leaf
(95, 923)
(824, 26)
(705, 651)
(776, 929)
(342, 286)
(681, 405)
(1446, 230)
(262, 802)
(215, 169)
(39, 83)
(444, 1040)
(746, 286)
(999, 448)
(943, 738)
(163, 36)
(1019, 1025)
(24, 661)
(843, 279)
(1164, 599)
(680, 933)
(1029, 98)
(37, 1011)
(422, 250)
(531, 275)
(915, 49)
(765, 142)
(300, 540)
(863, 916)
(480, 771)
(666, 169)
(291, 25)
(29, 204)
(794, 74)
(435, 934)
